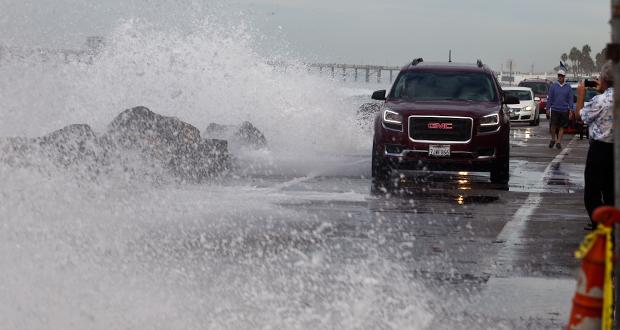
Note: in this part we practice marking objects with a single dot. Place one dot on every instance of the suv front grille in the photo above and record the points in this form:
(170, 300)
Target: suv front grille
(440, 129)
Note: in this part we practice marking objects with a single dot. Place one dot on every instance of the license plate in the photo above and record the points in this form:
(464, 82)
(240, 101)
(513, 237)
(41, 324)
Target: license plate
(439, 150)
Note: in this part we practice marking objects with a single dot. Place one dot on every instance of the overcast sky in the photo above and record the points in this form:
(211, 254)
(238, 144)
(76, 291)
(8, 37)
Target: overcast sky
(386, 32)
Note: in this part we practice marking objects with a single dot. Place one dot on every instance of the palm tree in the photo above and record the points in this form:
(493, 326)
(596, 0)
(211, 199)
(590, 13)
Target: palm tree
(587, 64)
(573, 56)
(564, 57)
(600, 59)
(586, 50)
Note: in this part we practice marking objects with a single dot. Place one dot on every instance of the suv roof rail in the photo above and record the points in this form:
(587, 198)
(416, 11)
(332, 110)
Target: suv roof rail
(479, 63)
(417, 61)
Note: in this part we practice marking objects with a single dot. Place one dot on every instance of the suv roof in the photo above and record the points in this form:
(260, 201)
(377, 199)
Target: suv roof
(418, 64)
(450, 73)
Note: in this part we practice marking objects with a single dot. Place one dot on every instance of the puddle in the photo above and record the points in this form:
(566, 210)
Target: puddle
(503, 298)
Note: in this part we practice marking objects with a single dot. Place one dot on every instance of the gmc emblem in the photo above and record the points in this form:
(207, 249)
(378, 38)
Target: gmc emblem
(439, 125)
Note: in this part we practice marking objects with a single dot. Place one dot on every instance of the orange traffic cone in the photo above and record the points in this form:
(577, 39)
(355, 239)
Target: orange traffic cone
(592, 305)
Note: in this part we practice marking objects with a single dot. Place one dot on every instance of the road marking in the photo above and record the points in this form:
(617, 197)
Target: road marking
(512, 233)
(313, 175)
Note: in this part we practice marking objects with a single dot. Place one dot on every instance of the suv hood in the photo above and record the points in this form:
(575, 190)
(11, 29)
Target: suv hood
(445, 108)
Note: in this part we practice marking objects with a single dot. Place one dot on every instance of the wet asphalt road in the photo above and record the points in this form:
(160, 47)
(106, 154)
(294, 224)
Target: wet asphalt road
(491, 257)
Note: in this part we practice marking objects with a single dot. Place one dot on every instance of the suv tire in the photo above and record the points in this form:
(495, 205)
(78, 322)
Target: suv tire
(381, 172)
(500, 173)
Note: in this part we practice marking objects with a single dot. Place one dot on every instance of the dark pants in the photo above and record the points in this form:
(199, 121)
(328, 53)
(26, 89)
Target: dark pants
(559, 118)
(599, 176)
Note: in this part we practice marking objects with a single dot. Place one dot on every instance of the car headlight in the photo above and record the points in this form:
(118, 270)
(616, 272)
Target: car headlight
(392, 119)
(529, 108)
(490, 120)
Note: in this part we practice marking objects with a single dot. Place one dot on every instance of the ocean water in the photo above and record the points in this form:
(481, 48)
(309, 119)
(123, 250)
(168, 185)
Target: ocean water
(113, 251)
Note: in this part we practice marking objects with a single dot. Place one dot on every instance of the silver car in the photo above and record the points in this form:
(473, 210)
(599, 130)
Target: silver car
(527, 109)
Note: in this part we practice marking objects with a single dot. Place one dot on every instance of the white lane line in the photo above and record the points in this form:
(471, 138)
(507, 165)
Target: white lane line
(313, 175)
(512, 233)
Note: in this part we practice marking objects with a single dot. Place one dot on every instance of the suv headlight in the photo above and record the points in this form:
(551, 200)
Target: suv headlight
(490, 120)
(392, 119)
(529, 108)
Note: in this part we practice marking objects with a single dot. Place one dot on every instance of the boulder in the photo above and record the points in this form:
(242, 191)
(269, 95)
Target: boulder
(243, 135)
(74, 147)
(175, 144)
(71, 145)
(250, 135)
(139, 125)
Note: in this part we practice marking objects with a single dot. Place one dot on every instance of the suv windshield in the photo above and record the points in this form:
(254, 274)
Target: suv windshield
(522, 95)
(428, 85)
(537, 87)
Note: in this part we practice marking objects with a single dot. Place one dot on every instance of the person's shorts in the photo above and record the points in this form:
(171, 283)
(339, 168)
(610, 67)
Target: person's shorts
(559, 119)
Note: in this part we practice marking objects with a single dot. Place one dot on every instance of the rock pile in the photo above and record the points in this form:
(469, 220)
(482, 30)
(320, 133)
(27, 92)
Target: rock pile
(159, 141)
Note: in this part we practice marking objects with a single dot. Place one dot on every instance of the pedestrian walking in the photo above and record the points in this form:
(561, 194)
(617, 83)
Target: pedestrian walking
(559, 103)
(598, 115)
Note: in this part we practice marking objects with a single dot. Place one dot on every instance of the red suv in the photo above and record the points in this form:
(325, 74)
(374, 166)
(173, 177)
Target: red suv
(442, 116)
(540, 87)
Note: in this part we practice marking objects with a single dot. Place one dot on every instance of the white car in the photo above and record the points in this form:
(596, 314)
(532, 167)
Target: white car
(527, 109)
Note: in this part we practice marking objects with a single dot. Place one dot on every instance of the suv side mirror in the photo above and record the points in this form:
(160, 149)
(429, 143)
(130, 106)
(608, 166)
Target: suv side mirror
(510, 99)
(379, 95)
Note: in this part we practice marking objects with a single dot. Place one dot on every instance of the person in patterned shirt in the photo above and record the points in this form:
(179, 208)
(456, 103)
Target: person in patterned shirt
(598, 115)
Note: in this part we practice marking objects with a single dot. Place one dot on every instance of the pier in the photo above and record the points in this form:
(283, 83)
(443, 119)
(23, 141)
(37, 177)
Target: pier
(341, 71)
(354, 71)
